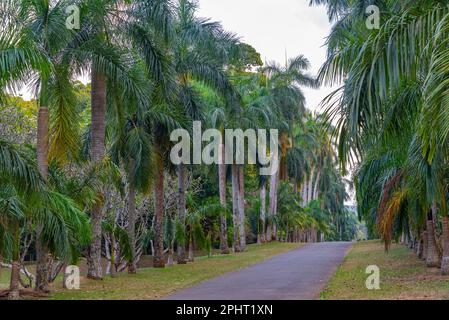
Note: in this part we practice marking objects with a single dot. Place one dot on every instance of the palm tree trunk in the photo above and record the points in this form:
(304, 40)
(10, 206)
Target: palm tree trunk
(242, 220)
(317, 184)
(42, 162)
(445, 235)
(98, 105)
(424, 245)
(263, 208)
(14, 292)
(181, 259)
(158, 260)
(112, 256)
(433, 259)
(310, 186)
(419, 248)
(283, 172)
(170, 256)
(272, 233)
(235, 207)
(222, 190)
(132, 267)
(304, 191)
(191, 253)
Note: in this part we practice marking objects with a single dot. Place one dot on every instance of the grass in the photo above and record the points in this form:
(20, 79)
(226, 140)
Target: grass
(153, 283)
(402, 275)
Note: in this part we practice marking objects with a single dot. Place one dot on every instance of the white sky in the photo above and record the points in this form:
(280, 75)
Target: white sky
(274, 27)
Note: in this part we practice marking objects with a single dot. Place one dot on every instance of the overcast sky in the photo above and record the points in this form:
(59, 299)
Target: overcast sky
(274, 27)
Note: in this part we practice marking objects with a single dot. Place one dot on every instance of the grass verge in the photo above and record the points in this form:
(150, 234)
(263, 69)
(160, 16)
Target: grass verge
(153, 283)
(402, 275)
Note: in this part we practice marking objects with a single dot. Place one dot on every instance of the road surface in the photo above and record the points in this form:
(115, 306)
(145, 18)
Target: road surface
(300, 274)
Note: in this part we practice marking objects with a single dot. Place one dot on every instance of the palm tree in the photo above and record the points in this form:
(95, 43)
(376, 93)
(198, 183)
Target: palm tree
(26, 203)
(289, 102)
(370, 62)
(106, 27)
(202, 49)
(36, 30)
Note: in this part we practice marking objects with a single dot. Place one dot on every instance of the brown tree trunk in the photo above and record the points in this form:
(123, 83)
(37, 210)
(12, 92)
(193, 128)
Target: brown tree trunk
(98, 97)
(242, 220)
(222, 189)
(445, 240)
(191, 253)
(14, 292)
(285, 145)
(235, 207)
(424, 245)
(132, 266)
(42, 140)
(42, 162)
(158, 260)
(419, 248)
(433, 259)
(181, 258)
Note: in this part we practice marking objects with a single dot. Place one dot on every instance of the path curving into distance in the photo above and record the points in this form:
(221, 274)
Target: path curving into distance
(300, 274)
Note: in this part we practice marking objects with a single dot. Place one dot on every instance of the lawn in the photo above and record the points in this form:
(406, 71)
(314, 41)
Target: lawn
(402, 275)
(153, 283)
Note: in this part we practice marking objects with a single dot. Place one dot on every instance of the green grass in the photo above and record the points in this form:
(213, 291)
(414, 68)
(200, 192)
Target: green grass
(402, 275)
(156, 283)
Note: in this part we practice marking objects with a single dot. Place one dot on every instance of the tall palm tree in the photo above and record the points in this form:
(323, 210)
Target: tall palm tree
(99, 48)
(26, 202)
(35, 33)
(202, 49)
(284, 83)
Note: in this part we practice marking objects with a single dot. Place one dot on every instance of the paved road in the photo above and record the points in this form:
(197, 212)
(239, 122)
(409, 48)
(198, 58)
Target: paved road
(298, 274)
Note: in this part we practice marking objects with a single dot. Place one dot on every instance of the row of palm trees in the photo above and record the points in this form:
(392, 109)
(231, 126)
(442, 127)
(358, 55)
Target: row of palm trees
(154, 66)
(390, 113)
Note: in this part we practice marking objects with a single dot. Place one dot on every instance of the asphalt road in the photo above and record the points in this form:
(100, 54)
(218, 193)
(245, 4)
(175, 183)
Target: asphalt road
(300, 274)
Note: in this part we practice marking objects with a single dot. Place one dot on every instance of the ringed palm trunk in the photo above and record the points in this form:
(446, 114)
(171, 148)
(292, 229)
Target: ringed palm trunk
(242, 219)
(433, 259)
(158, 260)
(222, 190)
(235, 207)
(181, 258)
(445, 257)
(42, 162)
(98, 97)
(132, 266)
